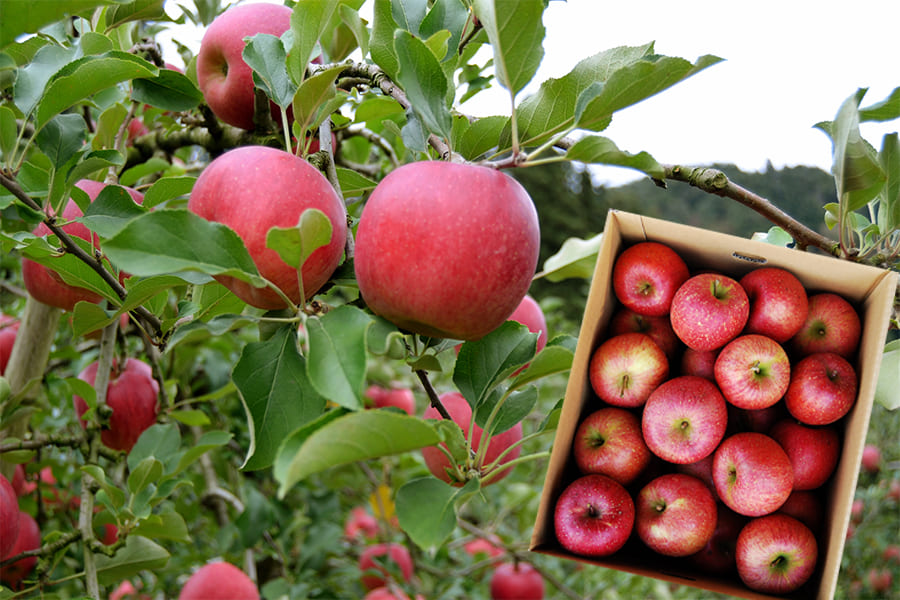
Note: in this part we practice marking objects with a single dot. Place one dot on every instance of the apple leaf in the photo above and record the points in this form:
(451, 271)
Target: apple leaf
(271, 379)
(309, 20)
(208, 441)
(168, 525)
(353, 183)
(482, 364)
(352, 21)
(86, 76)
(556, 357)
(450, 16)
(61, 138)
(349, 437)
(170, 90)
(381, 43)
(295, 244)
(134, 10)
(472, 140)
(88, 317)
(168, 188)
(110, 211)
(336, 365)
(516, 32)
(27, 16)
(424, 82)
(91, 162)
(595, 149)
(886, 110)
(163, 242)
(886, 388)
(314, 93)
(32, 79)
(146, 472)
(426, 509)
(160, 441)
(775, 236)
(889, 210)
(71, 269)
(138, 554)
(265, 54)
(7, 131)
(576, 258)
(517, 405)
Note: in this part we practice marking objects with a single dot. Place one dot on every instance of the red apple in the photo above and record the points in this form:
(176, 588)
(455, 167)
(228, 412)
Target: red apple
(775, 554)
(675, 515)
(752, 371)
(813, 452)
(481, 547)
(684, 419)
(127, 591)
(891, 553)
(459, 409)
(382, 562)
(717, 556)
(43, 283)
(133, 397)
(391, 592)
(822, 389)
(626, 368)
(223, 77)
(516, 581)
(360, 523)
(28, 538)
(219, 580)
(709, 310)
(645, 277)
(609, 442)
(529, 314)
(8, 328)
(806, 507)
(400, 397)
(659, 329)
(254, 188)
(871, 458)
(594, 516)
(832, 325)
(446, 250)
(778, 303)
(9, 516)
(752, 473)
(699, 362)
(880, 580)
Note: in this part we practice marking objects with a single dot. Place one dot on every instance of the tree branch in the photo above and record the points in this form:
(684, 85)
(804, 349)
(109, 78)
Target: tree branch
(716, 182)
(432, 394)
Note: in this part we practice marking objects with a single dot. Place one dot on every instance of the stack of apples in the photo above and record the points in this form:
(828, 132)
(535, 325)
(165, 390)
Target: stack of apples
(717, 420)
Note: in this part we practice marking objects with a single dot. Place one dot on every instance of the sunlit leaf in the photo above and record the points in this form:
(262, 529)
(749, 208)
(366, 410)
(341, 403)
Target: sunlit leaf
(516, 32)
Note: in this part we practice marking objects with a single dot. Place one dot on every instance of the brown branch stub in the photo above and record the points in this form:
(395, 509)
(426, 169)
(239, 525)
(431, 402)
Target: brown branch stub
(714, 181)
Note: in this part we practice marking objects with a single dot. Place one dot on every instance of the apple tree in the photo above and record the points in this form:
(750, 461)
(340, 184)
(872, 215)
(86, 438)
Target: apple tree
(264, 434)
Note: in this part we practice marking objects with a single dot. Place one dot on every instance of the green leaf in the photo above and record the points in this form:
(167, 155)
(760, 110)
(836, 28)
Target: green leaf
(479, 137)
(886, 110)
(351, 19)
(595, 149)
(265, 54)
(134, 174)
(135, 10)
(161, 442)
(516, 33)
(139, 554)
(482, 364)
(32, 79)
(889, 210)
(168, 525)
(775, 236)
(309, 21)
(88, 317)
(87, 76)
(888, 376)
(635, 82)
(168, 188)
(446, 15)
(337, 354)
(351, 437)
(110, 211)
(426, 509)
(93, 161)
(424, 82)
(166, 241)
(7, 132)
(210, 440)
(62, 138)
(71, 269)
(314, 93)
(190, 417)
(258, 516)
(114, 494)
(576, 258)
(381, 44)
(556, 357)
(857, 172)
(271, 378)
(353, 183)
(27, 16)
(295, 244)
(147, 472)
(516, 407)
(95, 43)
(170, 90)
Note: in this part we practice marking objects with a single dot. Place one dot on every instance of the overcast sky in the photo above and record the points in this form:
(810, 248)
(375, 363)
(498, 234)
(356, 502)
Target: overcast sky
(788, 65)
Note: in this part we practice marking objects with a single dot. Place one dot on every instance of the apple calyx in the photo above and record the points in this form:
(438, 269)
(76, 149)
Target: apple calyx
(780, 564)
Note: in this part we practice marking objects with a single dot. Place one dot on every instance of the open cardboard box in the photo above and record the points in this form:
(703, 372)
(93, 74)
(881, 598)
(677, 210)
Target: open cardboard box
(870, 289)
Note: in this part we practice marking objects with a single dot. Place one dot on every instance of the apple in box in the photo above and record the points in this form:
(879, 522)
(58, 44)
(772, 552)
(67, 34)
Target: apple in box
(778, 303)
(822, 390)
(675, 514)
(831, 325)
(684, 419)
(646, 276)
(594, 516)
(626, 368)
(709, 310)
(752, 371)
(775, 554)
(609, 442)
(752, 473)
(813, 451)
(659, 329)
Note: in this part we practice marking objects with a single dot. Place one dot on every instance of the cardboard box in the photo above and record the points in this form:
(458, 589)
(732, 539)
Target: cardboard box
(870, 289)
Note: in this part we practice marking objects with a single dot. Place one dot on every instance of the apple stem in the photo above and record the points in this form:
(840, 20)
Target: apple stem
(624, 384)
